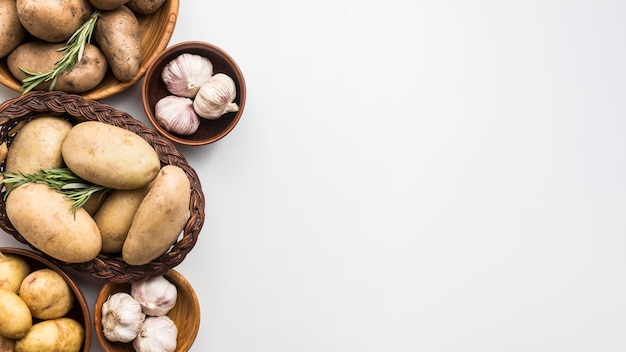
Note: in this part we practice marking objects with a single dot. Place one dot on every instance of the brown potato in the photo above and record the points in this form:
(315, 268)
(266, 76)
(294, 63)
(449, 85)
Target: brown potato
(47, 294)
(145, 7)
(118, 34)
(13, 269)
(11, 30)
(160, 218)
(63, 334)
(15, 318)
(107, 4)
(53, 20)
(38, 56)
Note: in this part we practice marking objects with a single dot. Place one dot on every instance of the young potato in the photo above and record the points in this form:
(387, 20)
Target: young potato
(110, 156)
(62, 334)
(44, 218)
(38, 145)
(160, 218)
(47, 294)
(38, 56)
(145, 7)
(53, 20)
(107, 4)
(11, 30)
(15, 318)
(13, 269)
(118, 34)
(115, 216)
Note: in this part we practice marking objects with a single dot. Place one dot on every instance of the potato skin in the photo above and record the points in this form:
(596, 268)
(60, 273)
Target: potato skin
(63, 334)
(15, 317)
(118, 35)
(107, 4)
(13, 269)
(145, 7)
(11, 30)
(53, 20)
(38, 56)
(38, 145)
(160, 218)
(43, 217)
(110, 156)
(47, 294)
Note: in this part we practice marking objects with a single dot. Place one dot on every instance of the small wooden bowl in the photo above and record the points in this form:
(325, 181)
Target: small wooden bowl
(153, 90)
(156, 31)
(185, 314)
(80, 311)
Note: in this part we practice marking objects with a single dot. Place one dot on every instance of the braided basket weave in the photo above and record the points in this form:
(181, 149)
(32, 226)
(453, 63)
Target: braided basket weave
(77, 109)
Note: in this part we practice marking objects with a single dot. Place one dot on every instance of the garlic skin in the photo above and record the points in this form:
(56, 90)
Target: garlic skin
(184, 75)
(157, 334)
(122, 317)
(215, 97)
(156, 295)
(176, 114)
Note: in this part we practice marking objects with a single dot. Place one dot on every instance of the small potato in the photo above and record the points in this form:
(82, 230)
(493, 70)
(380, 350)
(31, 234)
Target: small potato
(47, 294)
(53, 20)
(11, 30)
(145, 7)
(118, 34)
(38, 145)
(13, 269)
(45, 219)
(38, 56)
(110, 156)
(107, 4)
(116, 215)
(57, 335)
(160, 218)
(15, 318)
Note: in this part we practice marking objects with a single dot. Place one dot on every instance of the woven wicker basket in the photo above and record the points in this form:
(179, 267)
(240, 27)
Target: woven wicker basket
(77, 109)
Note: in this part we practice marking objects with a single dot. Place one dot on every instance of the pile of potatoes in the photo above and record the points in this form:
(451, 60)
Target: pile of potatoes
(33, 31)
(140, 214)
(34, 307)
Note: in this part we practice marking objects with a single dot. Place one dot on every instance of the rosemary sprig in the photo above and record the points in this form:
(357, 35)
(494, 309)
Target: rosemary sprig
(73, 49)
(62, 180)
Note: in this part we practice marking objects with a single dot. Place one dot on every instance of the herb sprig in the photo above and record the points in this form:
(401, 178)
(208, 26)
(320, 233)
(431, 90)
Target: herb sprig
(73, 49)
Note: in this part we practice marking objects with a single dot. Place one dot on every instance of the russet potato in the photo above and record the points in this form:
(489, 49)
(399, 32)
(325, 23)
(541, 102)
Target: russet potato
(53, 20)
(11, 30)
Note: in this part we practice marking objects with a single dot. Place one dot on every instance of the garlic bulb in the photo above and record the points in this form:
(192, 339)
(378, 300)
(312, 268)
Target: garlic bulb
(156, 295)
(215, 97)
(184, 75)
(121, 317)
(176, 114)
(158, 334)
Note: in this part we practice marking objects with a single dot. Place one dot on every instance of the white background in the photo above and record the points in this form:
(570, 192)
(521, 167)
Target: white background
(412, 176)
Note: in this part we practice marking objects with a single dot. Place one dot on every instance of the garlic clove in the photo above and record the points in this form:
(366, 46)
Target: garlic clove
(122, 317)
(156, 295)
(184, 75)
(176, 114)
(216, 97)
(157, 334)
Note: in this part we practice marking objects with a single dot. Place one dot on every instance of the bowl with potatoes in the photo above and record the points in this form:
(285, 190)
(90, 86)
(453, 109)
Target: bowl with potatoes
(93, 48)
(41, 307)
(89, 187)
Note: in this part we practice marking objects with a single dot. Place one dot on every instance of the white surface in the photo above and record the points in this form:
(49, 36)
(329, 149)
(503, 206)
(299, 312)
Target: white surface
(412, 176)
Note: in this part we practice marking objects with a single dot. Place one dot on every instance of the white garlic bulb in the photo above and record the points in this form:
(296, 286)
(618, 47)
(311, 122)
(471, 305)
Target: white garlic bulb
(156, 295)
(184, 75)
(157, 334)
(176, 114)
(122, 317)
(215, 97)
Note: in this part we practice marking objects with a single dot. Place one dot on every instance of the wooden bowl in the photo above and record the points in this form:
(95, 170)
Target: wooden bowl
(75, 109)
(185, 314)
(153, 90)
(156, 31)
(80, 311)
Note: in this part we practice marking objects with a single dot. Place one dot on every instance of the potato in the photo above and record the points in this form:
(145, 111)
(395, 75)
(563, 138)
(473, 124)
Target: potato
(145, 7)
(13, 269)
(7, 344)
(118, 34)
(115, 216)
(53, 20)
(44, 218)
(56, 335)
(38, 145)
(160, 218)
(11, 30)
(110, 156)
(15, 318)
(107, 4)
(38, 56)
(95, 201)
(47, 294)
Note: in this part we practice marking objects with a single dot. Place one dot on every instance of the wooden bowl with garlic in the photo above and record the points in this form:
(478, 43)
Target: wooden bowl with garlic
(161, 313)
(194, 93)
